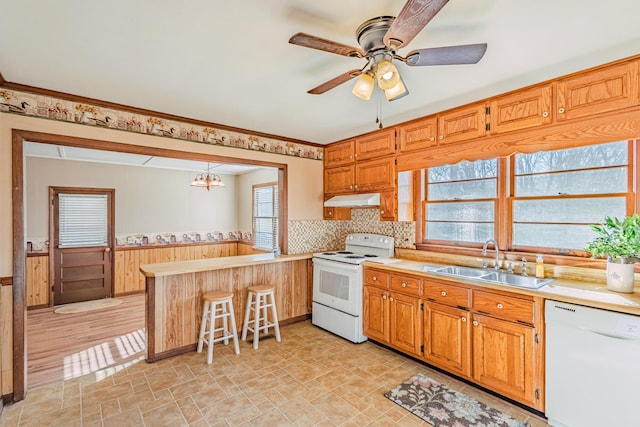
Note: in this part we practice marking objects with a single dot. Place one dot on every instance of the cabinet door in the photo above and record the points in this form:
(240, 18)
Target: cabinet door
(405, 325)
(340, 214)
(418, 135)
(503, 358)
(462, 124)
(598, 91)
(339, 180)
(388, 209)
(339, 153)
(521, 110)
(376, 314)
(377, 144)
(37, 281)
(447, 338)
(375, 175)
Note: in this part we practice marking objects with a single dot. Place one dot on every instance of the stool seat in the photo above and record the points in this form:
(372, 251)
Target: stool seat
(259, 299)
(217, 305)
(217, 296)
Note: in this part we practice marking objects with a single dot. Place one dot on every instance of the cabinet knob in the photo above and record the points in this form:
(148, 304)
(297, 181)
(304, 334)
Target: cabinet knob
(374, 278)
(351, 187)
(404, 285)
(463, 319)
(351, 157)
(384, 297)
(441, 137)
(443, 293)
(356, 186)
(382, 212)
(330, 213)
(356, 155)
(475, 323)
(390, 298)
(561, 110)
(500, 306)
(545, 114)
(431, 138)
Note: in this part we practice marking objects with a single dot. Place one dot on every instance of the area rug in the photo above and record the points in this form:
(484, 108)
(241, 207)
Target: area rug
(437, 404)
(80, 307)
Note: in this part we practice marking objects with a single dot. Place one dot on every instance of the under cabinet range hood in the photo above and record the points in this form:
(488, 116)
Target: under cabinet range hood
(353, 201)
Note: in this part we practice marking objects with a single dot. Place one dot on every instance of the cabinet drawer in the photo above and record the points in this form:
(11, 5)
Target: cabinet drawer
(451, 295)
(406, 284)
(376, 278)
(502, 306)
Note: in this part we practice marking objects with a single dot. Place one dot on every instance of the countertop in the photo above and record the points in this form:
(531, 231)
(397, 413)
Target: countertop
(208, 264)
(571, 291)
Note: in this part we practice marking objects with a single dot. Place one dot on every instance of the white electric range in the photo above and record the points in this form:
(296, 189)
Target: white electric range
(337, 283)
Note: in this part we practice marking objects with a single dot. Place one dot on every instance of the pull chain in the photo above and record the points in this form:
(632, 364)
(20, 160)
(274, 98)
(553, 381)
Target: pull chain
(379, 111)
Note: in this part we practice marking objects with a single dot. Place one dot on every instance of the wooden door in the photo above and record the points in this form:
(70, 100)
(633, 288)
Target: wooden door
(503, 358)
(405, 322)
(377, 144)
(462, 124)
(375, 175)
(418, 135)
(521, 110)
(388, 209)
(81, 256)
(339, 180)
(447, 338)
(376, 314)
(339, 153)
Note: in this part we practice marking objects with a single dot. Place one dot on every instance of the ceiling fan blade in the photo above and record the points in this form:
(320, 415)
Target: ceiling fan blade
(450, 55)
(307, 40)
(336, 81)
(411, 20)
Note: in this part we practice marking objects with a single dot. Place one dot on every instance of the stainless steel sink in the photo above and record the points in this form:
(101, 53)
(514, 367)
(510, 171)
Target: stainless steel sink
(499, 277)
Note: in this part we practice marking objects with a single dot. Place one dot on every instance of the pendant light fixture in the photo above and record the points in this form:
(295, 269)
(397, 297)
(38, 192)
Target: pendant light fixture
(207, 180)
(384, 73)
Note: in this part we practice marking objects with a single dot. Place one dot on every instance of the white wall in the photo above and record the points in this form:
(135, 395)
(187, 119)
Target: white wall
(245, 194)
(147, 200)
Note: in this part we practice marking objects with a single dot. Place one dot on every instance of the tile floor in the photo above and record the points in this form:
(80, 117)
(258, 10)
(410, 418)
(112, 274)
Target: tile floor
(310, 378)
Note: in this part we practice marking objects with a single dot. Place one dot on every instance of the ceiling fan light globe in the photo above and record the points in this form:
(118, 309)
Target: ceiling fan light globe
(363, 88)
(396, 92)
(387, 75)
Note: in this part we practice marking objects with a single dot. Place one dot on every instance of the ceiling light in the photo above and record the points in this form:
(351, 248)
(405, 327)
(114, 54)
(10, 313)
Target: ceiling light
(387, 74)
(397, 91)
(364, 86)
(207, 180)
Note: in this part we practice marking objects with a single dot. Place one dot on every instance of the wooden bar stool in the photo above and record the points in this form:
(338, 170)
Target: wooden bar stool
(217, 305)
(259, 299)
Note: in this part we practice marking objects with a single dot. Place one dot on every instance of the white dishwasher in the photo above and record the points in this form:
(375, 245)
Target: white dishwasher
(592, 367)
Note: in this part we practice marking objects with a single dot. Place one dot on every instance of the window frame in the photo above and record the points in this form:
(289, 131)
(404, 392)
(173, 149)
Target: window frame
(504, 205)
(274, 217)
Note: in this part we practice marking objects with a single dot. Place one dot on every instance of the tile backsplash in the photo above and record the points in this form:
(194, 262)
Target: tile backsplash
(321, 235)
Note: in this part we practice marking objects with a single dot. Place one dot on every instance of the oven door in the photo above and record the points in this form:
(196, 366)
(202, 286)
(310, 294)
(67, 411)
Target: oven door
(338, 285)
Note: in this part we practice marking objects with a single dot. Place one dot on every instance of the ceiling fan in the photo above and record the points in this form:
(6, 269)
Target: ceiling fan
(379, 39)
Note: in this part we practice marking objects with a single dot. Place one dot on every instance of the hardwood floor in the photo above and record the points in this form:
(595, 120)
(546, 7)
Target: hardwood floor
(61, 347)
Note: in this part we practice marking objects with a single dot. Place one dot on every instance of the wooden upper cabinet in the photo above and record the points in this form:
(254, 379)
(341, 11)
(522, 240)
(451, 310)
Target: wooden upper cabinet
(388, 206)
(599, 91)
(377, 144)
(462, 124)
(418, 135)
(339, 153)
(339, 180)
(374, 175)
(521, 110)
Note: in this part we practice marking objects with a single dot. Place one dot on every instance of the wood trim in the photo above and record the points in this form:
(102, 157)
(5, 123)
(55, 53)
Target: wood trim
(123, 107)
(283, 191)
(149, 318)
(6, 281)
(19, 261)
(7, 398)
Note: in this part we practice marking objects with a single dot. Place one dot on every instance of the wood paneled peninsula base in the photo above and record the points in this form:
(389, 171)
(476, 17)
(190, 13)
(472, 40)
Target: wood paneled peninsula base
(174, 294)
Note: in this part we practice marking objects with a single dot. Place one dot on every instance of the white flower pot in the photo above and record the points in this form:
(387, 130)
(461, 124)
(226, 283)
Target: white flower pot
(620, 277)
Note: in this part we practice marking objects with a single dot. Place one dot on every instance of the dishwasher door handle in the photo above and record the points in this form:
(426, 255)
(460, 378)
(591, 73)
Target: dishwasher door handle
(605, 334)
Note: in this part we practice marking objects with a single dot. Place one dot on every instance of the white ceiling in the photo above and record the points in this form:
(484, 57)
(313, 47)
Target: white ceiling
(229, 62)
(34, 149)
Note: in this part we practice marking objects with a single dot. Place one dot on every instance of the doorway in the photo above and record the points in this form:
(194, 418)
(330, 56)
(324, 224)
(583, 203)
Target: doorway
(81, 236)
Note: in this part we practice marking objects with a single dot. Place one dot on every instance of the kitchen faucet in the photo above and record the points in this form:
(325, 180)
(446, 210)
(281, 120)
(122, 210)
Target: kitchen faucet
(496, 265)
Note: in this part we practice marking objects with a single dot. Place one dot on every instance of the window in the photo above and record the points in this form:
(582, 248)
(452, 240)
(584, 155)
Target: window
(461, 201)
(82, 220)
(557, 194)
(537, 202)
(265, 216)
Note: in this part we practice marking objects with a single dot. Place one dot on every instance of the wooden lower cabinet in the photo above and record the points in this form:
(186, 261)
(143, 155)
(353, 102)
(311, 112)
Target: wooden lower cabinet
(503, 358)
(376, 314)
(487, 336)
(447, 338)
(405, 327)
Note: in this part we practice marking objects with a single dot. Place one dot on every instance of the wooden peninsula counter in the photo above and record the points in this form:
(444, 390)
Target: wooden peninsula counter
(174, 290)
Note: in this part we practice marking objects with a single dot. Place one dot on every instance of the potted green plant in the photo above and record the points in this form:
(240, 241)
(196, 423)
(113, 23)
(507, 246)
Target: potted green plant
(618, 240)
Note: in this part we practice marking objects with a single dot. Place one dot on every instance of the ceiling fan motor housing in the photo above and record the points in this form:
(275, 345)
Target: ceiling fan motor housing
(371, 35)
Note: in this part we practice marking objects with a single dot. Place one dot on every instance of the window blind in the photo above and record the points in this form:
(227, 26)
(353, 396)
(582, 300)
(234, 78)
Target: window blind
(82, 220)
(265, 217)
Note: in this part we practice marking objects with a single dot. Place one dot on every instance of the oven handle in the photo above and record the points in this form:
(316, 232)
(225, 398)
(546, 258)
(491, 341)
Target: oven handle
(335, 265)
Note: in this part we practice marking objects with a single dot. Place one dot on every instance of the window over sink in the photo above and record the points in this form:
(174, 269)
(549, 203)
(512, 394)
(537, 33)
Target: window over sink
(536, 202)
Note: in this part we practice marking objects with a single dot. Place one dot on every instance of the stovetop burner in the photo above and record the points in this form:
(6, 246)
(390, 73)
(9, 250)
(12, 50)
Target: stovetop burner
(355, 256)
(328, 253)
(370, 256)
(344, 252)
